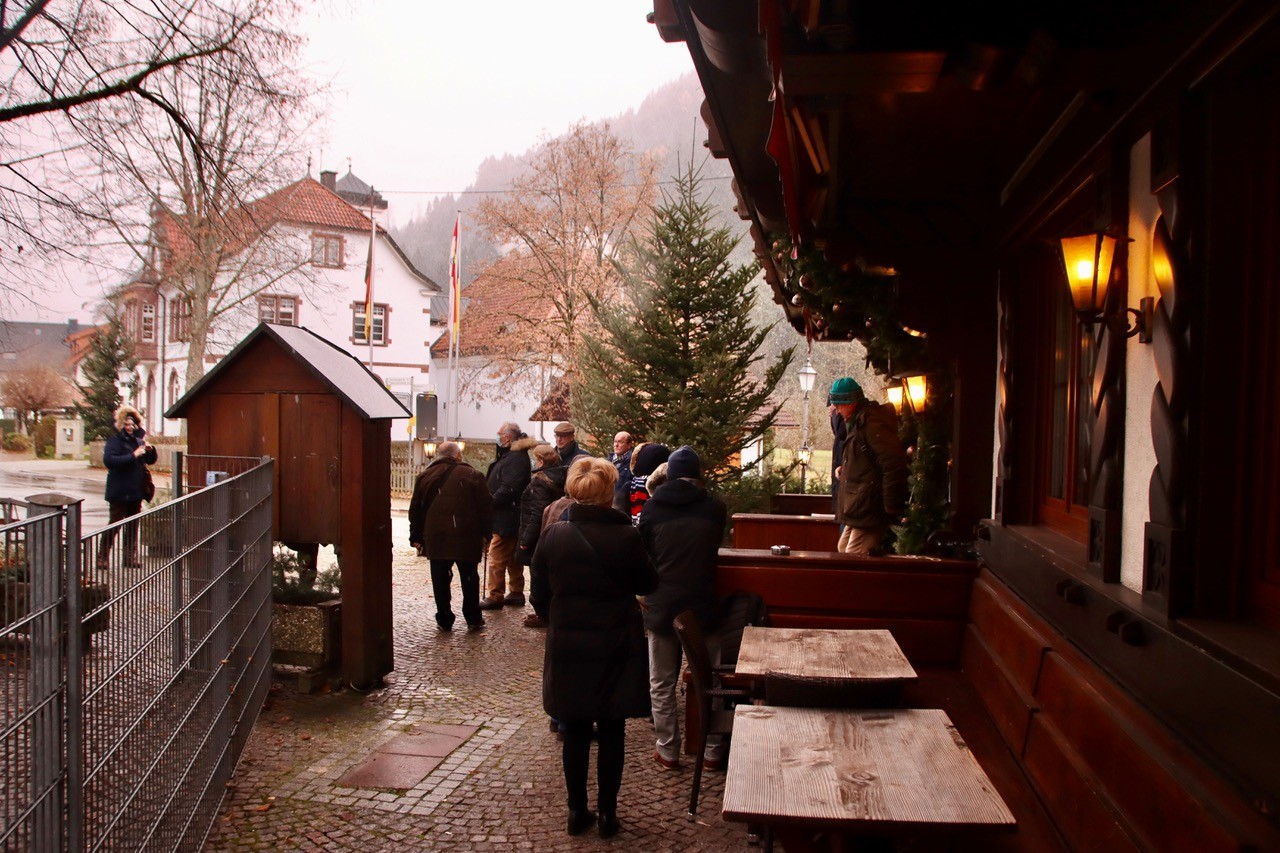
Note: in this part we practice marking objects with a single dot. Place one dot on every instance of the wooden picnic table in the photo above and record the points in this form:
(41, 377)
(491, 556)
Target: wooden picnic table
(854, 772)
(861, 655)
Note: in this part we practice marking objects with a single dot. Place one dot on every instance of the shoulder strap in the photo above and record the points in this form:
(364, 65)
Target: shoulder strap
(438, 487)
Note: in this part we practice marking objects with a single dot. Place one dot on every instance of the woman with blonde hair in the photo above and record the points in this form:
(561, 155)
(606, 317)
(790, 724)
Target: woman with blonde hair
(587, 572)
(126, 456)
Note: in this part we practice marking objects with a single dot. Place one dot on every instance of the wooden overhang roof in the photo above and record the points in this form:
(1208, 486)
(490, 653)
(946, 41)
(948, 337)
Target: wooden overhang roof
(874, 131)
(349, 380)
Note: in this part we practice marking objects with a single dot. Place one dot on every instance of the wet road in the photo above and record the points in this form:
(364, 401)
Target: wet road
(23, 485)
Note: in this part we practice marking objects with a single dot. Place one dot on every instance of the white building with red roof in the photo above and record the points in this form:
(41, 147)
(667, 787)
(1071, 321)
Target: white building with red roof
(318, 243)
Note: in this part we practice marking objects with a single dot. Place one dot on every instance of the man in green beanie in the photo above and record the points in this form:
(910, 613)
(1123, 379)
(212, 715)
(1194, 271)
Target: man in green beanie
(872, 472)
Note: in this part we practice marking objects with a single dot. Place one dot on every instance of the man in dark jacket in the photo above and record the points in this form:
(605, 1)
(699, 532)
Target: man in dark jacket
(507, 477)
(546, 486)
(621, 455)
(450, 517)
(567, 443)
(682, 526)
(872, 472)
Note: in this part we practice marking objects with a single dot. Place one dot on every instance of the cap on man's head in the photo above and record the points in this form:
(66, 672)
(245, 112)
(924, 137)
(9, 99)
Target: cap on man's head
(844, 391)
(565, 428)
(684, 463)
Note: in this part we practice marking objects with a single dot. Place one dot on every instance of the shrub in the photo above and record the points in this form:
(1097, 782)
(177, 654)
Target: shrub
(15, 442)
(294, 582)
(45, 437)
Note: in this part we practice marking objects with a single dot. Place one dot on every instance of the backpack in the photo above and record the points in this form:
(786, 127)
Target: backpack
(738, 610)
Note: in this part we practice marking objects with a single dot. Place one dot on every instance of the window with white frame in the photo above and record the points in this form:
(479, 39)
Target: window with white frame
(326, 250)
(148, 324)
(278, 309)
(377, 326)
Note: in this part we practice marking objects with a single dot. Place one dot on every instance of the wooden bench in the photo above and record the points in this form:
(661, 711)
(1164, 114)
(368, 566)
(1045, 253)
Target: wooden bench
(1081, 764)
(1111, 776)
(754, 531)
(924, 602)
(798, 504)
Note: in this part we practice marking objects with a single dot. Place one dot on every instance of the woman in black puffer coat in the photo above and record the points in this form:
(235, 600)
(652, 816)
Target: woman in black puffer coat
(586, 574)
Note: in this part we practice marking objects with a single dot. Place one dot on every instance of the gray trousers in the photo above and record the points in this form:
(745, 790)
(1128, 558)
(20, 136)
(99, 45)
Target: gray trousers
(664, 675)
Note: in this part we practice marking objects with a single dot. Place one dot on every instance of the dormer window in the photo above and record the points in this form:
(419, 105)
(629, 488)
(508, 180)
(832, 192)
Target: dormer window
(326, 250)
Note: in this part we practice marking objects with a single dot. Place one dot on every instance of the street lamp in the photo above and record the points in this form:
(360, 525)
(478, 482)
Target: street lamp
(807, 377)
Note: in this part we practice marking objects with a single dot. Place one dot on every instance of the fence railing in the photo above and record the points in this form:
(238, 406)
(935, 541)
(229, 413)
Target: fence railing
(402, 471)
(135, 661)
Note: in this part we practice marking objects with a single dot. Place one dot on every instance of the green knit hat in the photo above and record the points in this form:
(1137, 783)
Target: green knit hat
(844, 391)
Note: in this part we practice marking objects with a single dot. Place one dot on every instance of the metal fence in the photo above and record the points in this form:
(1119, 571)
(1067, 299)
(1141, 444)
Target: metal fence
(130, 683)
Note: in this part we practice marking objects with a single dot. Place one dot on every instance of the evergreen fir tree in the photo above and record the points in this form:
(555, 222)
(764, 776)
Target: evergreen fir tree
(678, 359)
(109, 354)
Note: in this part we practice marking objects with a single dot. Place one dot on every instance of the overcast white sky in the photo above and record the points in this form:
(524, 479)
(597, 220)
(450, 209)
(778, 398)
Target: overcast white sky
(424, 90)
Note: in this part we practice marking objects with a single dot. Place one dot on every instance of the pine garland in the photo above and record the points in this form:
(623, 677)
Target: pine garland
(854, 301)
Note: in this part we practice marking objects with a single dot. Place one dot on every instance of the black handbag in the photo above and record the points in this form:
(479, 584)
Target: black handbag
(148, 485)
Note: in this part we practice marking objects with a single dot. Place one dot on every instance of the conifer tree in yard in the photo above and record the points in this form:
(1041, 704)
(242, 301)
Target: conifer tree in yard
(109, 354)
(679, 360)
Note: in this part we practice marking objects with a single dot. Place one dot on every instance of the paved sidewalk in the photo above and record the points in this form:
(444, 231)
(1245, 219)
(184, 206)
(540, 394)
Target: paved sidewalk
(502, 789)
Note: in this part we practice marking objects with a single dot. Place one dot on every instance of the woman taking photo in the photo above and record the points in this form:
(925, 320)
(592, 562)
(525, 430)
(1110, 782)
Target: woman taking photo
(126, 456)
(587, 572)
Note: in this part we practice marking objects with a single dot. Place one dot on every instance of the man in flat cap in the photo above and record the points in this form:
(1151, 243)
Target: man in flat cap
(567, 444)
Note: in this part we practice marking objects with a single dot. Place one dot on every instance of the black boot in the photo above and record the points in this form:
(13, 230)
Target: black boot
(608, 824)
(579, 820)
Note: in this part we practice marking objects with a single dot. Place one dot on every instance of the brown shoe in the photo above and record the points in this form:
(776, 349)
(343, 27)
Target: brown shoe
(533, 620)
(714, 764)
(665, 764)
(491, 604)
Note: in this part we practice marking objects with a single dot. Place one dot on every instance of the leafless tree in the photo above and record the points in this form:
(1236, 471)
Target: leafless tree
(34, 389)
(562, 223)
(66, 64)
(186, 189)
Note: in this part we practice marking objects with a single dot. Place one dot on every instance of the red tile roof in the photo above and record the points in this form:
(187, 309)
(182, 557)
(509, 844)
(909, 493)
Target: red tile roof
(306, 202)
(492, 320)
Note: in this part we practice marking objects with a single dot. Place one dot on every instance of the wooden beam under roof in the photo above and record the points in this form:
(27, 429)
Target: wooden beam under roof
(860, 73)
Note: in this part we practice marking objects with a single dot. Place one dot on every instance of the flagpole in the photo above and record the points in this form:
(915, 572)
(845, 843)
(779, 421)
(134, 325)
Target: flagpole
(455, 346)
(368, 299)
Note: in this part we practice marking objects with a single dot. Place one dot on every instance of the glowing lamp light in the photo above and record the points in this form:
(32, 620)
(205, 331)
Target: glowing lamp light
(1087, 261)
(804, 455)
(917, 391)
(894, 395)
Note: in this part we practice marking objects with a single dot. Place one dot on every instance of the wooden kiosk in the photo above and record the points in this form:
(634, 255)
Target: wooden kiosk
(286, 393)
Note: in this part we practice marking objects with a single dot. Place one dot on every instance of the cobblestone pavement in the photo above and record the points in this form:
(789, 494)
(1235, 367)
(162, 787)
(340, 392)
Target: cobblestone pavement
(502, 789)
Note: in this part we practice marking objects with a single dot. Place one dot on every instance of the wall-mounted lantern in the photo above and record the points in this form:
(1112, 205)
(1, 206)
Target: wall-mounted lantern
(917, 391)
(1087, 260)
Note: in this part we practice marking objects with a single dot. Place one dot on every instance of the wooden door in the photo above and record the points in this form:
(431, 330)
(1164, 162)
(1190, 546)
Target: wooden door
(310, 456)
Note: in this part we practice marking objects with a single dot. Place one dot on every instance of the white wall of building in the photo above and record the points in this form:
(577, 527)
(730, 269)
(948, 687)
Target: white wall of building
(1140, 370)
(485, 402)
(325, 300)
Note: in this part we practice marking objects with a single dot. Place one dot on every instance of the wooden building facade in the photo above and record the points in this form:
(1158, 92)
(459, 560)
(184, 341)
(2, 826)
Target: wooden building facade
(1124, 490)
